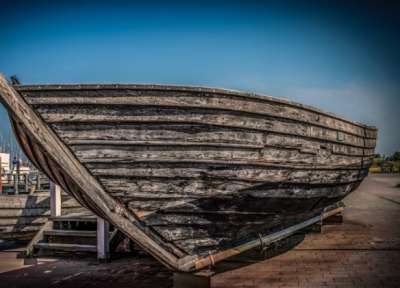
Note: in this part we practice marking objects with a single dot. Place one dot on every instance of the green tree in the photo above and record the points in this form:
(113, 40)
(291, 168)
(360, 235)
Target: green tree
(396, 156)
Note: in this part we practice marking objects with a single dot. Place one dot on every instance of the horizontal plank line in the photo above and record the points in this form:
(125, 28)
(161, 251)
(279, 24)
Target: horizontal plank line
(253, 182)
(219, 212)
(223, 92)
(164, 131)
(230, 163)
(216, 109)
(338, 163)
(164, 144)
(161, 143)
(105, 121)
(274, 185)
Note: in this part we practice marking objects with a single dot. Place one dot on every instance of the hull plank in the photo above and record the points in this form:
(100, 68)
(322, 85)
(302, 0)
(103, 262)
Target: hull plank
(153, 187)
(160, 134)
(188, 171)
(245, 203)
(204, 232)
(123, 114)
(176, 99)
(129, 152)
(229, 172)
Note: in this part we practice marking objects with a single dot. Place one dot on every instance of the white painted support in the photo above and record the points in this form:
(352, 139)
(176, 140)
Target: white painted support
(103, 235)
(55, 200)
(16, 183)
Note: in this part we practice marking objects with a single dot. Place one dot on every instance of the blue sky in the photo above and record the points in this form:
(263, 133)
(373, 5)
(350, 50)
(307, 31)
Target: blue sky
(337, 56)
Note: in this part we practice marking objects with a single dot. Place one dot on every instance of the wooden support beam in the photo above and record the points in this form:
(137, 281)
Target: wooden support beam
(38, 237)
(334, 219)
(55, 200)
(116, 237)
(314, 228)
(184, 280)
(103, 232)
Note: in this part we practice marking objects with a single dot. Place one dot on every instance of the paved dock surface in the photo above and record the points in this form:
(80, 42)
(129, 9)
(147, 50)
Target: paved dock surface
(364, 251)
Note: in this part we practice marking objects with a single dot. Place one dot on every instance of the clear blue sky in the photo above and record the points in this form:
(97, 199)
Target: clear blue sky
(340, 57)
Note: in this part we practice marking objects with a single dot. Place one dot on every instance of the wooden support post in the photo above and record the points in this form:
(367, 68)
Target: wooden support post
(315, 228)
(103, 235)
(18, 178)
(334, 219)
(38, 237)
(55, 200)
(16, 184)
(184, 280)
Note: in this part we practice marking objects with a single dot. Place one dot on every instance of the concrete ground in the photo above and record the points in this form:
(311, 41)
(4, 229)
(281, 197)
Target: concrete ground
(364, 251)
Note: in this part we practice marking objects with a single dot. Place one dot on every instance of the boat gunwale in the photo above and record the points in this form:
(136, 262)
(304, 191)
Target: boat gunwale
(185, 88)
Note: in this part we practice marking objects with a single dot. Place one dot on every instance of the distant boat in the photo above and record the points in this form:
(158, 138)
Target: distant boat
(191, 174)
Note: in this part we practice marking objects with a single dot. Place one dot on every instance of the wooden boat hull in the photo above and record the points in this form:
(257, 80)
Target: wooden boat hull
(187, 172)
(21, 216)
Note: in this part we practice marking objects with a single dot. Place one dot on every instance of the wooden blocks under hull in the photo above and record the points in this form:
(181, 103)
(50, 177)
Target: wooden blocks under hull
(184, 280)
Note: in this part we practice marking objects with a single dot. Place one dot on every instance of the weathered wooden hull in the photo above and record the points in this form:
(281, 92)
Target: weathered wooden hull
(187, 172)
(21, 216)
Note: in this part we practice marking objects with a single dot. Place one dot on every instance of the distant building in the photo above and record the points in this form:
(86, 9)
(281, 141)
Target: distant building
(5, 162)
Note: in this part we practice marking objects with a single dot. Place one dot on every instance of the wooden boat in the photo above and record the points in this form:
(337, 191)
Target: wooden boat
(22, 216)
(191, 174)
